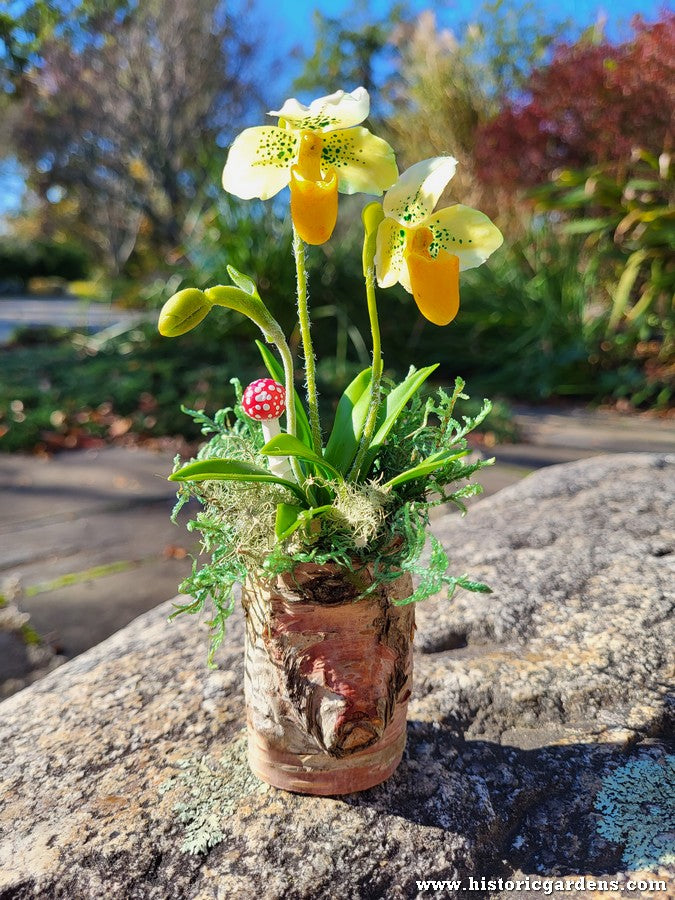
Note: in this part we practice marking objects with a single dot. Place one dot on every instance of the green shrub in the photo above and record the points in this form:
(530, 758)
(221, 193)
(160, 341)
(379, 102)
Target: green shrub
(626, 214)
(42, 259)
(536, 324)
(533, 325)
(62, 394)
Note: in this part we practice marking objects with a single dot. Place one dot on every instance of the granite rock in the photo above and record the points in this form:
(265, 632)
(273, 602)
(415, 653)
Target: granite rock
(535, 711)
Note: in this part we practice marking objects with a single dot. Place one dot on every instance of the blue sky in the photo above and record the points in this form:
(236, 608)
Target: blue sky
(289, 26)
(295, 19)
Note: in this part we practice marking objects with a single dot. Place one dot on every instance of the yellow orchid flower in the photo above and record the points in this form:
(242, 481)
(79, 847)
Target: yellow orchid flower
(425, 251)
(317, 149)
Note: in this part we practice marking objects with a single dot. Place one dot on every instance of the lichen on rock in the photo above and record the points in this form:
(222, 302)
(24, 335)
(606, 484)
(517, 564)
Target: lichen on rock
(208, 792)
(636, 804)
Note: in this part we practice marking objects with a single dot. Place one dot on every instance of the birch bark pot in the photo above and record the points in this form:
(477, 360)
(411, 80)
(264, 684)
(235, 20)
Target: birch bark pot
(327, 679)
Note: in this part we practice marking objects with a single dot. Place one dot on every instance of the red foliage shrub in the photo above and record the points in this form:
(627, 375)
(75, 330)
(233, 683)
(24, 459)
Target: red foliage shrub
(590, 104)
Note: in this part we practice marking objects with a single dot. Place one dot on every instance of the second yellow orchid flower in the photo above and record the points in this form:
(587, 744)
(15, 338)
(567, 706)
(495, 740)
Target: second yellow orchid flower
(425, 251)
(319, 150)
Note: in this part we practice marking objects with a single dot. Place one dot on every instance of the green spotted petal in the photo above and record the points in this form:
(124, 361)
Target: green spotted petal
(259, 162)
(364, 163)
(389, 252)
(338, 110)
(465, 232)
(413, 198)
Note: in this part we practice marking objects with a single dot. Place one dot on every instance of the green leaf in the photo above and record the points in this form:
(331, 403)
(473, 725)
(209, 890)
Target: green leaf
(574, 197)
(476, 586)
(243, 282)
(392, 408)
(276, 370)
(642, 184)
(248, 305)
(426, 467)
(350, 418)
(232, 470)
(625, 286)
(587, 226)
(291, 518)
(643, 303)
(288, 445)
(286, 520)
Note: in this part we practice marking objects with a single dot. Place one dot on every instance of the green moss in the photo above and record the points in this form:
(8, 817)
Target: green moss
(637, 809)
(71, 578)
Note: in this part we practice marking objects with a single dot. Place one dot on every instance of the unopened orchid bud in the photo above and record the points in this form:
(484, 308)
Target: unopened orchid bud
(183, 312)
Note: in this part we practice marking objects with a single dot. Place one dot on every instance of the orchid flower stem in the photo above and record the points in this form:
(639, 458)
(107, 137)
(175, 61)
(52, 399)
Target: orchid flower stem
(376, 380)
(308, 350)
(291, 420)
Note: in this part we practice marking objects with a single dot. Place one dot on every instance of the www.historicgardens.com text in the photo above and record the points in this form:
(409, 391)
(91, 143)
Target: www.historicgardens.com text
(545, 885)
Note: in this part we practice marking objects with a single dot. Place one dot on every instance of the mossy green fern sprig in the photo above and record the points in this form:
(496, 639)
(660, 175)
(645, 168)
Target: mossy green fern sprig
(275, 495)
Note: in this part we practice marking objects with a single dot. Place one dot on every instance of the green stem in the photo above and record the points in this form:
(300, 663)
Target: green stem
(305, 334)
(376, 380)
(291, 421)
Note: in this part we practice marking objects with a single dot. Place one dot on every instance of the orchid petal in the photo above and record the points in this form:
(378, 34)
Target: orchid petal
(338, 110)
(259, 162)
(390, 253)
(364, 163)
(413, 198)
(314, 206)
(404, 278)
(466, 232)
(434, 280)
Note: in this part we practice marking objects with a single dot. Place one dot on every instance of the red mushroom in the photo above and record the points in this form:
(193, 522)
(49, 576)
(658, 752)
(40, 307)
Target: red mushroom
(265, 401)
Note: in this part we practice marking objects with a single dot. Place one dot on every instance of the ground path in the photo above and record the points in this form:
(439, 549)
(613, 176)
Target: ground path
(17, 312)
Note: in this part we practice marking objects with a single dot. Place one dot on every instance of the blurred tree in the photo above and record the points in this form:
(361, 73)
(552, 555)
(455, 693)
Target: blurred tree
(438, 100)
(348, 55)
(26, 27)
(448, 87)
(505, 41)
(436, 89)
(113, 126)
(594, 103)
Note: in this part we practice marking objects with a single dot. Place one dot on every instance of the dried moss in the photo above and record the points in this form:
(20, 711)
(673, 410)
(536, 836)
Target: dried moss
(359, 511)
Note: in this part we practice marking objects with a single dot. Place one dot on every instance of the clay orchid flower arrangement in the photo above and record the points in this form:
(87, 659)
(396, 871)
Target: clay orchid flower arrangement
(308, 519)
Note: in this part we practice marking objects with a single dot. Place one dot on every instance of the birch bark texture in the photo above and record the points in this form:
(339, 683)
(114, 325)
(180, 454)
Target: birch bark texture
(327, 678)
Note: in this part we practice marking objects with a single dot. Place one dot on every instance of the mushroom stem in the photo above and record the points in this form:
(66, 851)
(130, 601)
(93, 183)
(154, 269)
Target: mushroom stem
(278, 464)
